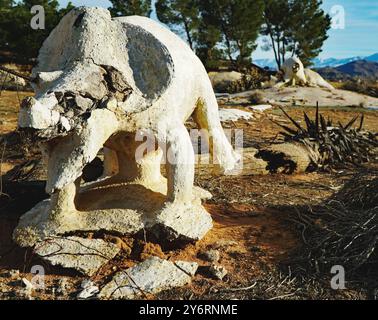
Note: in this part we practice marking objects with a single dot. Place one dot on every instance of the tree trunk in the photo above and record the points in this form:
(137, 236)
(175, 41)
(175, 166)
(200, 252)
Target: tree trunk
(187, 31)
(274, 50)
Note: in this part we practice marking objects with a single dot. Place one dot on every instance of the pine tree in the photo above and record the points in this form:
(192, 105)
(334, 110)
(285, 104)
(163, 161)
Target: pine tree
(311, 29)
(180, 15)
(295, 27)
(5, 21)
(239, 22)
(130, 8)
(23, 41)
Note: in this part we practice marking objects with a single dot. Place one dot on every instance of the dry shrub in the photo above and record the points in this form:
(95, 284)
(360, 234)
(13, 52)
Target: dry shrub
(251, 79)
(343, 231)
(368, 87)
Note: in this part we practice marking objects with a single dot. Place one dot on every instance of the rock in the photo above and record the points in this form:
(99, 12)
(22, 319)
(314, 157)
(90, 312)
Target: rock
(89, 290)
(211, 255)
(226, 115)
(217, 272)
(261, 107)
(149, 277)
(188, 267)
(183, 223)
(221, 81)
(83, 255)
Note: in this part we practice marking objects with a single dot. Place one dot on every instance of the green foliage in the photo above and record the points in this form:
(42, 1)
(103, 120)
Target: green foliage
(130, 7)
(5, 21)
(295, 27)
(208, 36)
(238, 22)
(17, 37)
(310, 26)
(180, 15)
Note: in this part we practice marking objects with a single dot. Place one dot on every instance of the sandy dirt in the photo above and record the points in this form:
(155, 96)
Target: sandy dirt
(307, 96)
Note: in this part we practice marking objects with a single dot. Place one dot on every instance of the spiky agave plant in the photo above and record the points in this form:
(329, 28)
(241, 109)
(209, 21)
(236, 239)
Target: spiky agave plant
(332, 146)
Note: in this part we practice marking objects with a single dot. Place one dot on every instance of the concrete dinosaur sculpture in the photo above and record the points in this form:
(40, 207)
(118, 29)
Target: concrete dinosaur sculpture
(110, 83)
(294, 73)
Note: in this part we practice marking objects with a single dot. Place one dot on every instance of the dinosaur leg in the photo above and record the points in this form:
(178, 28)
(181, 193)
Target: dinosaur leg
(206, 116)
(179, 165)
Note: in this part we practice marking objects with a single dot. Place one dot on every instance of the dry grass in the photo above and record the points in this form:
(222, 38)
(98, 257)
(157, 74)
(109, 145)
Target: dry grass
(9, 107)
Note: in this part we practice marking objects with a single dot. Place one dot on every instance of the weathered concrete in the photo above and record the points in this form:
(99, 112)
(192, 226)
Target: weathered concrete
(111, 83)
(149, 277)
(84, 255)
(234, 115)
(294, 74)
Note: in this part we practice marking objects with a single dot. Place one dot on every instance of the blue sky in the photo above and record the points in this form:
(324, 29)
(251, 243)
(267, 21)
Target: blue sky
(359, 38)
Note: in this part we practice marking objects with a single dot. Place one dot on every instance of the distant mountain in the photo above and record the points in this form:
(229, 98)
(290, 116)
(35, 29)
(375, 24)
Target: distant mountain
(373, 57)
(332, 62)
(359, 68)
(319, 63)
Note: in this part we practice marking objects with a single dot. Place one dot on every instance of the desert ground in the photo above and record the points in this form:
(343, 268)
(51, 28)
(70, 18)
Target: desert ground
(256, 229)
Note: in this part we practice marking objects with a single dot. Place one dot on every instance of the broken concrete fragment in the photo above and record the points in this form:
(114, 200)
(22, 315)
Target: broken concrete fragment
(211, 255)
(234, 115)
(191, 224)
(83, 255)
(188, 267)
(89, 290)
(217, 272)
(149, 277)
(261, 107)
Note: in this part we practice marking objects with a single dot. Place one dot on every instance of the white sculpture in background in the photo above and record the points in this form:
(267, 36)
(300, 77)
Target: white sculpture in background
(99, 82)
(294, 74)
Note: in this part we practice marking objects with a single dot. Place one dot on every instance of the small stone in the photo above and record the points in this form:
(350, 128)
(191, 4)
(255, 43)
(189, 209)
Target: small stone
(89, 290)
(211, 255)
(84, 255)
(218, 272)
(149, 277)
